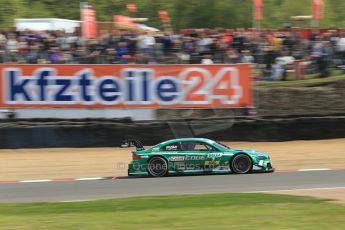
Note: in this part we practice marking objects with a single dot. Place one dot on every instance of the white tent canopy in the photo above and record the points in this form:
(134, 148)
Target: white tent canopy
(42, 24)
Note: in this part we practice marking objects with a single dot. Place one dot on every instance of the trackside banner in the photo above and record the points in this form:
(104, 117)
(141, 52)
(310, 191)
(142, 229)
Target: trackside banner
(121, 86)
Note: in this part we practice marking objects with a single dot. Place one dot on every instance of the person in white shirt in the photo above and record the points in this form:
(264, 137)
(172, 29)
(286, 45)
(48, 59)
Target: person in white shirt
(207, 60)
(12, 48)
(146, 42)
(282, 63)
(340, 46)
(247, 57)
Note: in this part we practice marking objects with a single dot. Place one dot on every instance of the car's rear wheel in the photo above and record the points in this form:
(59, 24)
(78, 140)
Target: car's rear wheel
(241, 164)
(157, 167)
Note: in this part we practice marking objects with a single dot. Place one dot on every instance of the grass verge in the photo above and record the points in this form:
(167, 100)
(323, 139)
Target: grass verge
(309, 82)
(220, 211)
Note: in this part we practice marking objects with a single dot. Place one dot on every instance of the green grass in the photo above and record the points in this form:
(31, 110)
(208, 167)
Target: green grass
(221, 211)
(311, 80)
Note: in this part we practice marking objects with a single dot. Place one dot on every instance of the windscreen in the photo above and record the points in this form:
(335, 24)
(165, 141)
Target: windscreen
(222, 146)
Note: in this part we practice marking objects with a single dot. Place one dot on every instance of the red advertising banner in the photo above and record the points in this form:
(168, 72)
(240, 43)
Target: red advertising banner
(258, 9)
(317, 9)
(122, 86)
(89, 21)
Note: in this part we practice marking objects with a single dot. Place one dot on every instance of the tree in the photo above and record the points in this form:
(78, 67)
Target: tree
(9, 11)
(183, 14)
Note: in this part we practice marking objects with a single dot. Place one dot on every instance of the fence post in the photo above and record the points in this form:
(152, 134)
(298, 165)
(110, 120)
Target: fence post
(299, 70)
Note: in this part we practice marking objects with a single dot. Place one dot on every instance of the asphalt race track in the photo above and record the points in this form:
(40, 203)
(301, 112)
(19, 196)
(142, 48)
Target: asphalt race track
(127, 187)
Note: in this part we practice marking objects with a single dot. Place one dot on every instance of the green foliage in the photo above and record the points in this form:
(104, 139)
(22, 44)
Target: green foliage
(9, 11)
(184, 14)
(309, 82)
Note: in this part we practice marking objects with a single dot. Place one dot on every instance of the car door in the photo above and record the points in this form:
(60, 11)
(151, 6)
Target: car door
(213, 159)
(195, 155)
(176, 158)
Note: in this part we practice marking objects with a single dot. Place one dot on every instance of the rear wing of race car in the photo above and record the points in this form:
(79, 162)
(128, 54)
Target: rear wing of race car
(132, 142)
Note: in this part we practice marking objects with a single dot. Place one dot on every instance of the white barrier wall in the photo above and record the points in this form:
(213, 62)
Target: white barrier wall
(43, 24)
(134, 114)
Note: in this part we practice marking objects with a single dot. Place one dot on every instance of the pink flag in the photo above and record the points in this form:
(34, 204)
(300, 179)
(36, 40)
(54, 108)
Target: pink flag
(258, 8)
(317, 9)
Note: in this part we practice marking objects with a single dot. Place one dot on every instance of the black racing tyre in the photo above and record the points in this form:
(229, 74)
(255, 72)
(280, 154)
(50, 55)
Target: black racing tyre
(157, 167)
(241, 164)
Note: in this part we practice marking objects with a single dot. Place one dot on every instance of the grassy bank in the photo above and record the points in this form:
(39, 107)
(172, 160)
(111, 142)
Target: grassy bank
(222, 211)
(311, 80)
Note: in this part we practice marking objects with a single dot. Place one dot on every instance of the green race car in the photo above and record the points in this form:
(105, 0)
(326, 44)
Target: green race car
(194, 156)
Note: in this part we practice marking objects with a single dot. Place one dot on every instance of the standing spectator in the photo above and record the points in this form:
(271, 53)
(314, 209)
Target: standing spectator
(283, 63)
(111, 57)
(66, 58)
(325, 59)
(122, 52)
(340, 45)
(270, 56)
(146, 43)
(247, 57)
(95, 52)
(2, 54)
(167, 42)
(33, 55)
(232, 57)
(203, 44)
(238, 41)
(12, 47)
(3, 39)
(54, 56)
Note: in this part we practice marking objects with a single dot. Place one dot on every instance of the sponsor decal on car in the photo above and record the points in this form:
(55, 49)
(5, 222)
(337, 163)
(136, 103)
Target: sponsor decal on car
(177, 158)
(187, 166)
(212, 162)
(171, 148)
(213, 155)
(194, 158)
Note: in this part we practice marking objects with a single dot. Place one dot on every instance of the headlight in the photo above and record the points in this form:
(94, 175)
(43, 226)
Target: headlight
(261, 157)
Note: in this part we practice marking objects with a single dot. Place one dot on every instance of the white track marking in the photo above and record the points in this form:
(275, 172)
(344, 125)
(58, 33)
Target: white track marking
(62, 180)
(312, 170)
(90, 178)
(34, 181)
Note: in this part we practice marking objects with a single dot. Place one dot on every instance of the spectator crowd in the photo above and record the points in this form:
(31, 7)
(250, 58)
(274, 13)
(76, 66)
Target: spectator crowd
(273, 53)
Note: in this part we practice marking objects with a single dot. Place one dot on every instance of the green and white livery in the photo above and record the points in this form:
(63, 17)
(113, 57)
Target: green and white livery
(194, 156)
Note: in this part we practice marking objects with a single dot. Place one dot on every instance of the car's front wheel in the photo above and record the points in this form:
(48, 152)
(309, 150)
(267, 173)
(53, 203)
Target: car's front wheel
(157, 167)
(241, 164)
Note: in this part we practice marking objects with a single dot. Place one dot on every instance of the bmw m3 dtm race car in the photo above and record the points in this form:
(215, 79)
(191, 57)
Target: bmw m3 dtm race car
(194, 156)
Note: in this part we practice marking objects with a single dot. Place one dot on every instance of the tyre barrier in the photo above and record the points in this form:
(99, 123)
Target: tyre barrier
(47, 133)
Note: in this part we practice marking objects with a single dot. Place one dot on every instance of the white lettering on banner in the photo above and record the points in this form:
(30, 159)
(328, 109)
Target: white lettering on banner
(135, 86)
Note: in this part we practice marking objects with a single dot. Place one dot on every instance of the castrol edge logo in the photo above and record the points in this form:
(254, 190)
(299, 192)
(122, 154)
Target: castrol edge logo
(127, 86)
